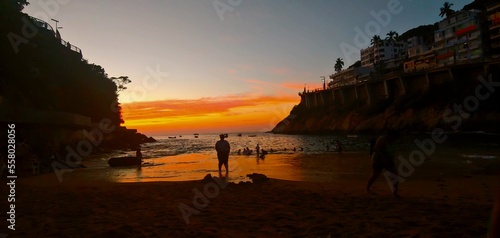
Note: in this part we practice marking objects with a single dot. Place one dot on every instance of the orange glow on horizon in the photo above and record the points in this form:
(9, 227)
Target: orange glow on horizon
(231, 113)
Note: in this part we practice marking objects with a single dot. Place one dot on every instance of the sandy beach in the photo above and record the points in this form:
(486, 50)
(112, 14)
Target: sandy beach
(456, 204)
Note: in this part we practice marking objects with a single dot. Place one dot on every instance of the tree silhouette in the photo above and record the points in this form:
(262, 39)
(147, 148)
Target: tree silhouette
(120, 82)
(376, 40)
(391, 36)
(13, 5)
(446, 10)
(339, 63)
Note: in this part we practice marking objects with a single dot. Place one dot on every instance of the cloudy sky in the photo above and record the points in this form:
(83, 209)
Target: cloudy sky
(224, 65)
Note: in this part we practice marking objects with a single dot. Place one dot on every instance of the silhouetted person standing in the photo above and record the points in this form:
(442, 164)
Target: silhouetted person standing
(339, 146)
(222, 147)
(257, 149)
(138, 154)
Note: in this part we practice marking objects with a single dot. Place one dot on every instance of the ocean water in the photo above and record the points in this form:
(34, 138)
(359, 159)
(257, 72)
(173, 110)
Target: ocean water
(280, 144)
(315, 158)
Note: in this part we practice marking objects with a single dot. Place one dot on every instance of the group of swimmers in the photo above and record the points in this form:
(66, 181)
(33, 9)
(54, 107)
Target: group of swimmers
(259, 151)
(246, 151)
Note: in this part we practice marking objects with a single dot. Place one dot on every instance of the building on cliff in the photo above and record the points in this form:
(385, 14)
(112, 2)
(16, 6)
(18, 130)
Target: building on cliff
(448, 68)
(349, 76)
(493, 13)
(386, 51)
(459, 38)
(464, 37)
(420, 55)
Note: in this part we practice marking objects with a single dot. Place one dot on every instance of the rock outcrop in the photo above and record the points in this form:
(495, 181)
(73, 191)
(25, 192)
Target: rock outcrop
(456, 105)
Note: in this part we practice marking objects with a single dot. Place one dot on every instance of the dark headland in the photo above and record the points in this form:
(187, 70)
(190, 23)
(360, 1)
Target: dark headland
(52, 98)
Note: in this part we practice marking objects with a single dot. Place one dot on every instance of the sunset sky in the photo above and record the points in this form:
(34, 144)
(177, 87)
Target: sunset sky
(224, 65)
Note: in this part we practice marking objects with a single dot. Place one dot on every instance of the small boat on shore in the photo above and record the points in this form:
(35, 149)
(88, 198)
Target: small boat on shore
(172, 137)
(124, 161)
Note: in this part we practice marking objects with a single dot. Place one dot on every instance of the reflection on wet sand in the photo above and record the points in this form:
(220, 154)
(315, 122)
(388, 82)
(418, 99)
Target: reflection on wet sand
(295, 167)
(326, 167)
(196, 166)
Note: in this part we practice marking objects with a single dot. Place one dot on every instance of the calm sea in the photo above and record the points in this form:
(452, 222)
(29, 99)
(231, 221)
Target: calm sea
(187, 157)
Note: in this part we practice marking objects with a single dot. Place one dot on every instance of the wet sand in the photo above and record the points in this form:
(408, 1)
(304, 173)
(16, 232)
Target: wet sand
(454, 203)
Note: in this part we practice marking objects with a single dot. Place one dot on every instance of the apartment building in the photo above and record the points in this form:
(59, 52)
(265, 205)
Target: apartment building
(387, 51)
(420, 56)
(458, 39)
(493, 13)
(349, 76)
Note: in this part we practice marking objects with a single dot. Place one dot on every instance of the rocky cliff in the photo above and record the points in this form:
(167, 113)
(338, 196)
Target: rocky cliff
(464, 103)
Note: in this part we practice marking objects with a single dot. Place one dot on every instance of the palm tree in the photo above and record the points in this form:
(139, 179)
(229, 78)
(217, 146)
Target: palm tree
(338, 65)
(376, 41)
(446, 10)
(391, 36)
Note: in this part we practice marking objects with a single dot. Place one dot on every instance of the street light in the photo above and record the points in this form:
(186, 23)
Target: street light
(56, 21)
(323, 78)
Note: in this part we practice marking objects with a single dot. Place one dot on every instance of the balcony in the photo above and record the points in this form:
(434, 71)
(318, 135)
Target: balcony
(438, 38)
(445, 55)
(438, 47)
(465, 30)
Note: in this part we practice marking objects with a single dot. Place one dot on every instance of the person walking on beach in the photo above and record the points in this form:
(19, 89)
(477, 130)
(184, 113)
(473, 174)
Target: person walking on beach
(383, 158)
(222, 147)
(372, 145)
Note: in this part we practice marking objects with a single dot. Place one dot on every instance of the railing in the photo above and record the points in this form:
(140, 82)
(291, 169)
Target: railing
(43, 24)
(71, 47)
(47, 26)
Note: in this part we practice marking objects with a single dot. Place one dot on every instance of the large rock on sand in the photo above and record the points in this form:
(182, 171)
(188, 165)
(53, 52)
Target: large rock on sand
(257, 178)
